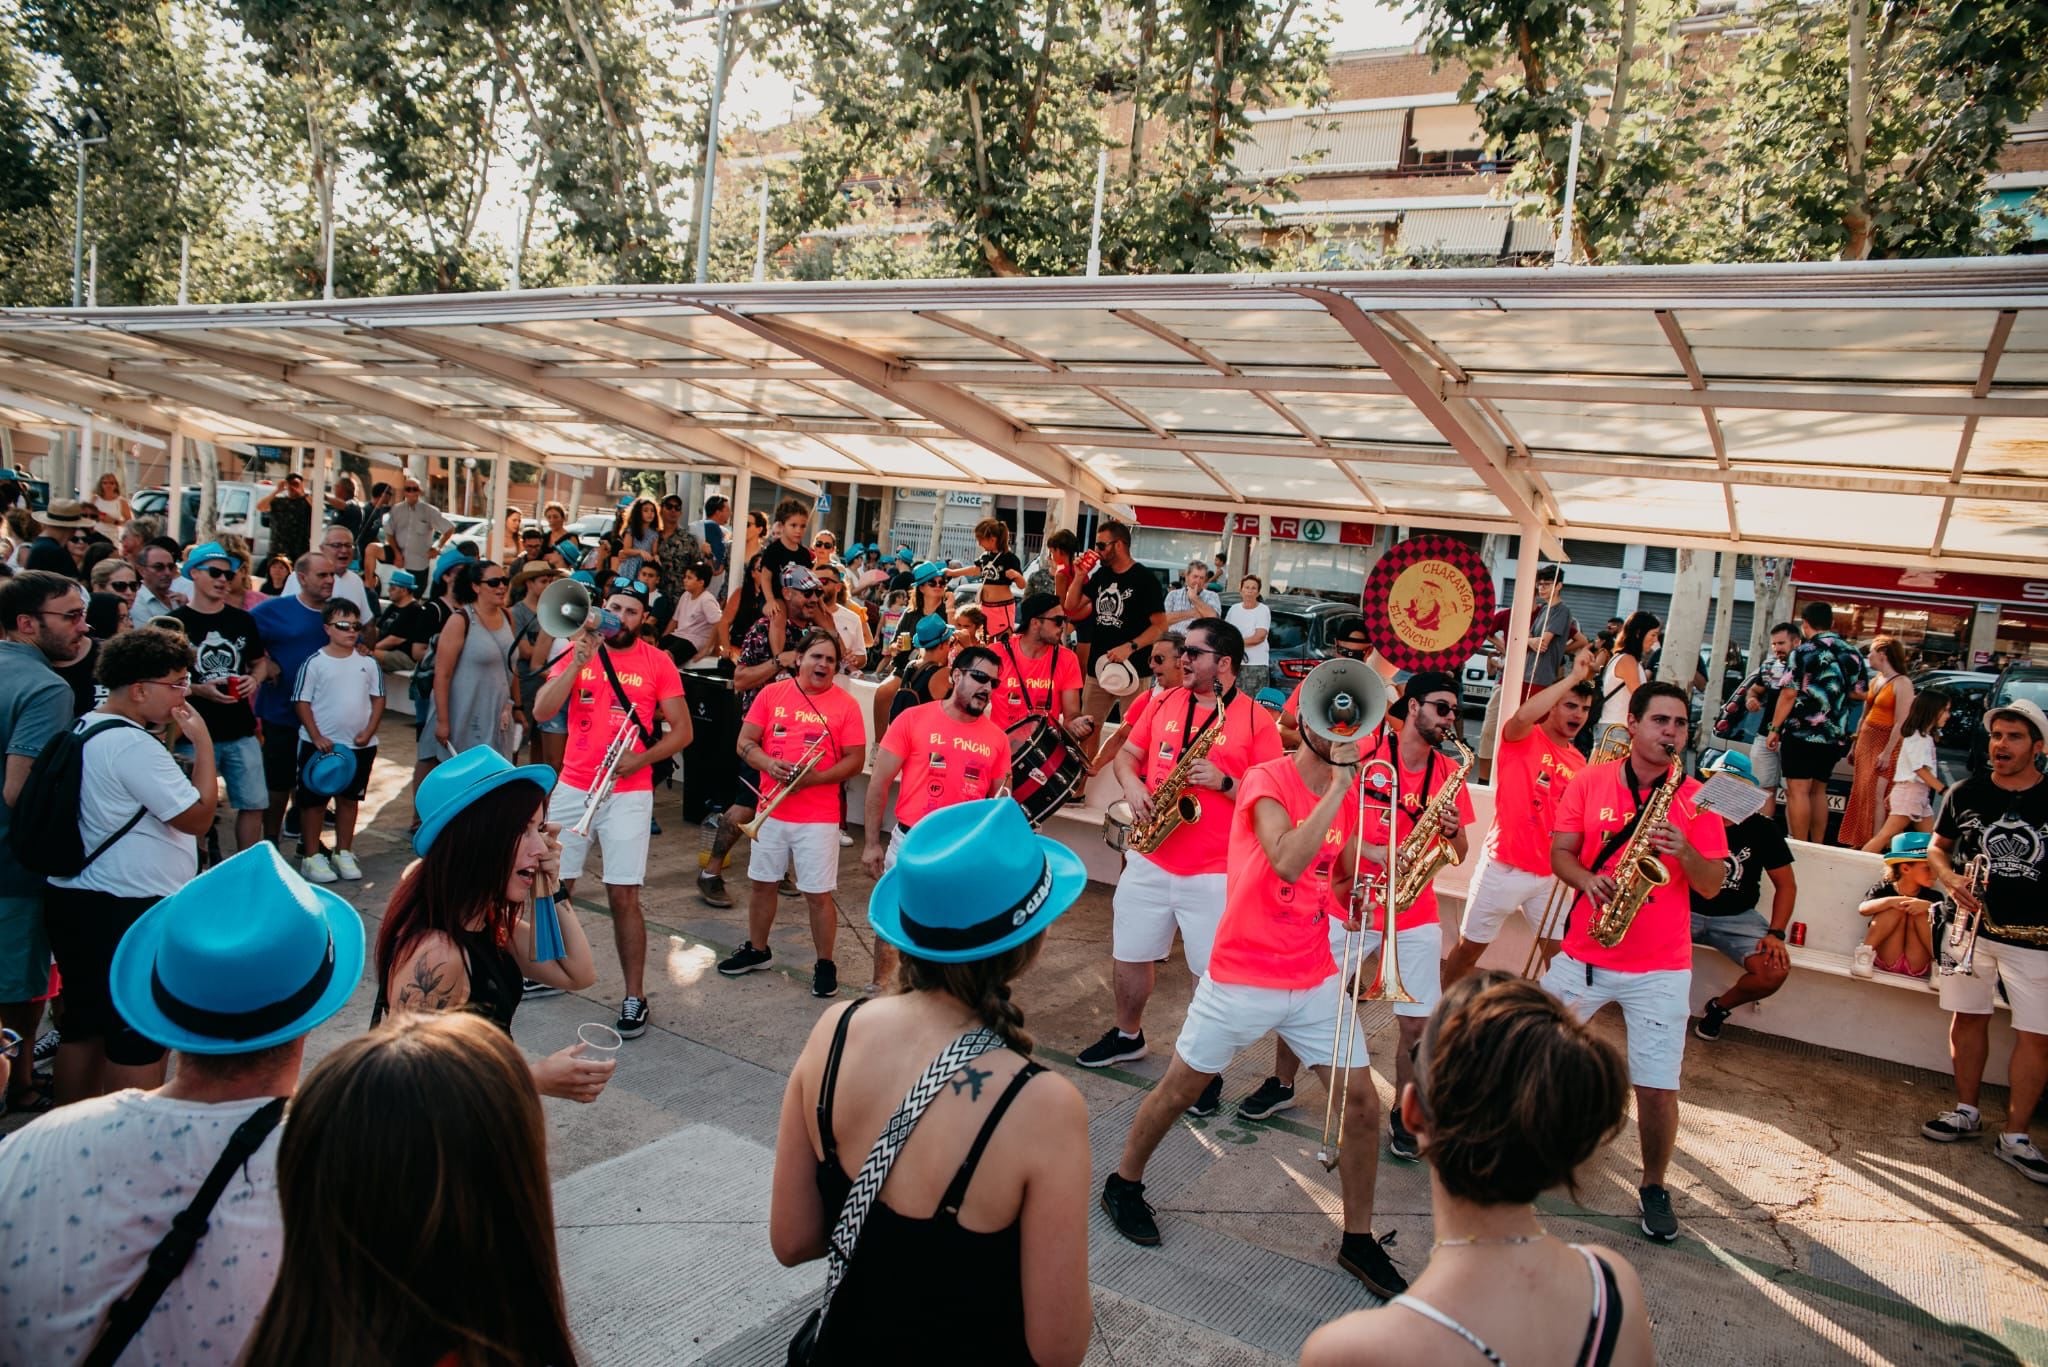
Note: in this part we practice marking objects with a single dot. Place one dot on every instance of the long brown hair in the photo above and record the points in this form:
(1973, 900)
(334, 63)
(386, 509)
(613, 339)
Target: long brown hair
(461, 877)
(982, 985)
(418, 1223)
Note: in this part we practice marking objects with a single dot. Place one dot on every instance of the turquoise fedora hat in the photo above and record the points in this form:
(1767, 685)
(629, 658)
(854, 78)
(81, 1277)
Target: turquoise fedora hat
(971, 881)
(455, 783)
(245, 956)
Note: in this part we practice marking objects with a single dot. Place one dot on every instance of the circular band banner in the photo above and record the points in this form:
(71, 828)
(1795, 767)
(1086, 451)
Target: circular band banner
(1428, 603)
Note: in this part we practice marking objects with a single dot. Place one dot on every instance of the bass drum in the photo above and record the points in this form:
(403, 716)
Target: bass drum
(1047, 768)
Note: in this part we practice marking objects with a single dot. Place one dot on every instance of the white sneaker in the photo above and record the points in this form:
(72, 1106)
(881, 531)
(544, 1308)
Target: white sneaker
(314, 868)
(845, 840)
(345, 864)
(2021, 1153)
(1864, 962)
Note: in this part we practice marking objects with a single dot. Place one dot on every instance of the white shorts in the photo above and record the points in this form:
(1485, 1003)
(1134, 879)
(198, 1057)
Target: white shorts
(1915, 800)
(1421, 953)
(2024, 973)
(889, 853)
(1655, 1006)
(620, 832)
(1499, 890)
(1225, 1018)
(809, 848)
(1150, 902)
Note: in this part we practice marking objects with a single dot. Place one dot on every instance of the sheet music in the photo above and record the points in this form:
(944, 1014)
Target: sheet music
(1731, 798)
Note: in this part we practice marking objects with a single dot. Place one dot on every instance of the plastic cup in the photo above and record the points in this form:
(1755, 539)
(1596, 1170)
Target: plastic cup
(598, 1040)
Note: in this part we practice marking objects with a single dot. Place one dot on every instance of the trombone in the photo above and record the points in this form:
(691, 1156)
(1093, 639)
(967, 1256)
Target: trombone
(1610, 743)
(805, 762)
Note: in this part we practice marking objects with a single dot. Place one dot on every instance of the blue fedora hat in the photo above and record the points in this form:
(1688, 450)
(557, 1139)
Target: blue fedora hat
(328, 773)
(1908, 846)
(456, 783)
(401, 579)
(971, 881)
(1733, 762)
(928, 571)
(931, 630)
(245, 956)
(450, 558)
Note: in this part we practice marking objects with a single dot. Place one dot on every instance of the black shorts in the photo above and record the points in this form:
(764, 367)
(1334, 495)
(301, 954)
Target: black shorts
(353, 793)
(280, 757)
(1809, 759)
(84, 928)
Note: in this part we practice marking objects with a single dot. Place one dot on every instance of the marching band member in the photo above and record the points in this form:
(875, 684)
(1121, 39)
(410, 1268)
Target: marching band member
(1532, 764)
(1271, 969)
(1428, 712)
(1352, 644)
(1037, 673)
(602, 683)
(947, 752)
(1182, 881)
(1649, 972)
(2000, 816)
(766, 654)
(805, 737)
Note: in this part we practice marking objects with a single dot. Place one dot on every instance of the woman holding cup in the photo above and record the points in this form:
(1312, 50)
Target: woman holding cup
(459, 931)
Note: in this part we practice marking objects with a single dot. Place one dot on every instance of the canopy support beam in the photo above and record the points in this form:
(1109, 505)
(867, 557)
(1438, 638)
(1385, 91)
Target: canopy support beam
(1994, 350)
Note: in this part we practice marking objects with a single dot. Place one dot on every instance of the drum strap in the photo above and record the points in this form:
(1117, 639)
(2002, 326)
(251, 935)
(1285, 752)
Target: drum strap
(1051, 673)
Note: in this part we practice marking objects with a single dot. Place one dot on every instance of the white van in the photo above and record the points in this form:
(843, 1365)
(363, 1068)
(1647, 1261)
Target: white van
(235, 511)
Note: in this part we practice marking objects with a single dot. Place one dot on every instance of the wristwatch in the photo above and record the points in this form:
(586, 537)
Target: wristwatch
(1775, 933)
(1229, 785)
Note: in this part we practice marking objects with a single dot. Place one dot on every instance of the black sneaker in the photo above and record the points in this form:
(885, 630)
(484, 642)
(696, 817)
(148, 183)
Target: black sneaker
(1945, 1128)
(1364, 1256)
(1400, 1143)
(531, 991)
(825, 979)
(745, 959)
(787, 887)
(632, 1018)
(46, 1046)
(1273, 1097)
(1712, 1017)
(1658, 1221)
(1125, 1204)
(1211, 1099)
(711, 888)
(2022, 1154)
(1114, 1047)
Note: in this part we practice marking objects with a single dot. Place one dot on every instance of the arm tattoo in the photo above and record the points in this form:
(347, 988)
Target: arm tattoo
(970, 1076)
(429, 989)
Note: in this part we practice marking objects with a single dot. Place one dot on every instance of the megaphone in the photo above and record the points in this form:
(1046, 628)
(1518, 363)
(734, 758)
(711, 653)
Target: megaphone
(564, 609)
(1342, 701)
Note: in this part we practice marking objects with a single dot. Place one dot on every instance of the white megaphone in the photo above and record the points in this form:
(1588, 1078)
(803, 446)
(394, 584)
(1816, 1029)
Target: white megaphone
(1342, 701)
(567, 608)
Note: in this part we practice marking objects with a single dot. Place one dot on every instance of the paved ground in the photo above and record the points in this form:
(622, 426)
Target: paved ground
(1819, 1226)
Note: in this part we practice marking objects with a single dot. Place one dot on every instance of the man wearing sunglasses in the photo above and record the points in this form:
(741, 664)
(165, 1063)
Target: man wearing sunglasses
(229, 655)
(1037, 673)
(1123, 606)
(1351, 644)
(948, 752)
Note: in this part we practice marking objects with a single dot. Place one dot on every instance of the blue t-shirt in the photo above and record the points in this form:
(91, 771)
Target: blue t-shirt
(291, 633)
(35, 704)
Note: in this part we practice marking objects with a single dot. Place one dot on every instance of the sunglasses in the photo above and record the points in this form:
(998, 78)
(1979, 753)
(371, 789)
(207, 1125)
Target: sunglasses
(1350, 652)
(75, 616)
(215, 572)
(498, 583)
(350, 628)
(1104, 545)
(1440, 708)
(1058, 620)
(123, 585)
(78, 539)
(985, 680)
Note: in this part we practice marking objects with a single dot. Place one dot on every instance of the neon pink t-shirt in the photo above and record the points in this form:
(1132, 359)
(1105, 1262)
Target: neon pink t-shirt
(1276, 934)
(1529, 775)
(1026, 683)
(648, 676)
(1597, 803)
(790, 720)
(945, 761)
(1423, 911)
(1249, 737)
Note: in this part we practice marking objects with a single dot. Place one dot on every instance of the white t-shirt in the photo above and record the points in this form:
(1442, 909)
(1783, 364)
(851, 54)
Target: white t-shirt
(847, 623)
(1915, 753)
(348, 587)
(1249, 620)
(342, 690)
(127, 768)
(91, 1188)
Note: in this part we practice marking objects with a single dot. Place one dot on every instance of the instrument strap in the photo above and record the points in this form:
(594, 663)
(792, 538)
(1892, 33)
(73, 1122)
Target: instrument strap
(1024, 685)
(1389, 745)
(1189, 731)
(647, 737)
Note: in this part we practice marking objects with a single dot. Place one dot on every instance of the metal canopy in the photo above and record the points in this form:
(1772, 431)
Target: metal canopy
(1893, 412)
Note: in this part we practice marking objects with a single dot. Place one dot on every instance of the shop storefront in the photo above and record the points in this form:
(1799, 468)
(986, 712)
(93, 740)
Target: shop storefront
(1946, 618)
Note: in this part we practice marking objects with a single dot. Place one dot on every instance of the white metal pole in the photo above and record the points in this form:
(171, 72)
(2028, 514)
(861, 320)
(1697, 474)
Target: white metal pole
(761, 233)
(1562, 254)
(736, 531)
(327, 281)
(1095, 226)
(78, 146)
(709, 189)
(92, 278)
(1515, 668)
(184, 268)
(175, 504)
(500, 482)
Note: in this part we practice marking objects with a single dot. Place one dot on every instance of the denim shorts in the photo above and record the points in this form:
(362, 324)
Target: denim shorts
(240, 763)
(1735, 936)
(557, 725)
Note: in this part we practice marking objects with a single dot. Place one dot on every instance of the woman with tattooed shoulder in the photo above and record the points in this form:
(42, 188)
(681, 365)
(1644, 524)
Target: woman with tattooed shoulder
(458, 934)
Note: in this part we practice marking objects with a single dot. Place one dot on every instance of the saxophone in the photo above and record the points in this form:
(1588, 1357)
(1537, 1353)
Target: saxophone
(1172, 805)
(1424, 852)
(1641, 870)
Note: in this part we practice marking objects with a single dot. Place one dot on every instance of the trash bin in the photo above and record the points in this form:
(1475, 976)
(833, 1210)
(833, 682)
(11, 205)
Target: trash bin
(710, 763)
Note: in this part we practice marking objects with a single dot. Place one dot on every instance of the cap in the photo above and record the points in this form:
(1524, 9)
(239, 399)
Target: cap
(1421, 685)
(1034, 607)
(799, 577)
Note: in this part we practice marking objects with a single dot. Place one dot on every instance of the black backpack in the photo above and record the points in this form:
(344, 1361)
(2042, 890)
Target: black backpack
(44, 832)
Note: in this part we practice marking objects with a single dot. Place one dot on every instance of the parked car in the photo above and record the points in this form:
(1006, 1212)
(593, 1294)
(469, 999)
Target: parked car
(2022, 682)
(1961, 743)
(1478, 679)
(1303, 628)
(477, 529)
(234, 511)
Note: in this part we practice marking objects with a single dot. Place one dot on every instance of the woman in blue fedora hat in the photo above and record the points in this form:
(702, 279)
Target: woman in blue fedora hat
(459, 931)
(929, 680)
(991, 1192)
(1900, 940)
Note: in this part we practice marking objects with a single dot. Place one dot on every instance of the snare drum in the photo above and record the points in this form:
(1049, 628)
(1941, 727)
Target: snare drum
(1117, 820)
(1046, 767)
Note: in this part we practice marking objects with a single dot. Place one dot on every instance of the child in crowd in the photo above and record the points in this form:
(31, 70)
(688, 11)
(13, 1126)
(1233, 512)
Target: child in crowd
(1916, 775)
(339, 697)
(1899, 940)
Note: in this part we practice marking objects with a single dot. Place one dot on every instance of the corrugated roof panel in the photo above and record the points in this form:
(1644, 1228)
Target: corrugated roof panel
(1934, 346)
(1361, 417)
(1572, 341)
(1836, 515)
(2009, 446)
(1881, 440)
(1646, 506)
(1616, 429)
(1986, 527)
(1227, 411)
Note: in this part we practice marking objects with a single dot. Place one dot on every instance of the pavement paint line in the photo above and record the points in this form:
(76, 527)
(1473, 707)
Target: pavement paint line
(1905, 1312)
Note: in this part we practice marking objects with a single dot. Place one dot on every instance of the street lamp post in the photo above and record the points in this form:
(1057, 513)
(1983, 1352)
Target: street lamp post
(75, 135)
(706, 191)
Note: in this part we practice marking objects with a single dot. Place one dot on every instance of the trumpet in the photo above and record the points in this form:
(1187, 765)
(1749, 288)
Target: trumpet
(805, 762)
(607, 775)
(1610, 743)
(1958, 953)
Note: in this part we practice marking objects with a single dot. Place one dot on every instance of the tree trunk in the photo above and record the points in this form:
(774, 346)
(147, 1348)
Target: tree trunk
(1856, 219)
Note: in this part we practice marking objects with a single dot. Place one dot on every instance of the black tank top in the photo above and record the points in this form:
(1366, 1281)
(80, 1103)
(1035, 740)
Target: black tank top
(915, 690)
(494, 980)
(899, 1260)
